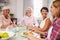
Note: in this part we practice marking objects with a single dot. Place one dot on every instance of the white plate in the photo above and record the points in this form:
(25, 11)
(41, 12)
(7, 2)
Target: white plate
(23, 35)
(36, 35)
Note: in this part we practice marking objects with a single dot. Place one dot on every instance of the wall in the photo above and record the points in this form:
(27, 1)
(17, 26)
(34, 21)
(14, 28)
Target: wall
(13, 6)
(16, 7)
(19, 13)
(45, 3)
(27, 3)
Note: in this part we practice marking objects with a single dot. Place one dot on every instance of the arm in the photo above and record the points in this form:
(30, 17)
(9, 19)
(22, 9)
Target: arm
(20, 22)
(34, 29)
(46, 26)
(1, 23)
(39, 30)
(35, 22)
(58, 31)
(31, 37)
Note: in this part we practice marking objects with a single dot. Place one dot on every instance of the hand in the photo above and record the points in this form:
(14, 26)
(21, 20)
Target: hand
(19, 25)
(4, 26)
(29, 26)
(30, 36)
(12, 24)
(38, 31)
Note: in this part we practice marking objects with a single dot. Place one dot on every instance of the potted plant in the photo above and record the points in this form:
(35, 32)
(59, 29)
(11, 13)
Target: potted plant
(11, 15)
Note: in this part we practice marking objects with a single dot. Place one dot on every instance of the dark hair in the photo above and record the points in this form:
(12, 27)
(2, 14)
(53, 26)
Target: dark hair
(57, 0)
(45, 8)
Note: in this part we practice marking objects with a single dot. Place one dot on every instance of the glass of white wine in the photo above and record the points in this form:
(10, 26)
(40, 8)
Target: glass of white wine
(14, 21)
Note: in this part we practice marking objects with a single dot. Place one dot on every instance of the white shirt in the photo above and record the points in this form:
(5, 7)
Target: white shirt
(43, 23)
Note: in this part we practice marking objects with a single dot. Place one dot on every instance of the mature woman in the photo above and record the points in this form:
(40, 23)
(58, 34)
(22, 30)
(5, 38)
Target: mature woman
(45, 24)
(5, 18)
(55, 34)
(28, 18)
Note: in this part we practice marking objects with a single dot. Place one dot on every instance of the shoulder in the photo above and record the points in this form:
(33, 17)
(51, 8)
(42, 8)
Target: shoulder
(58, 22)
(47, 19)
(1, 16)
(24, 17)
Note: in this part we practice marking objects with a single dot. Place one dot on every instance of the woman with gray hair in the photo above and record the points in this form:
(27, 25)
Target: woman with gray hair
(5, 18)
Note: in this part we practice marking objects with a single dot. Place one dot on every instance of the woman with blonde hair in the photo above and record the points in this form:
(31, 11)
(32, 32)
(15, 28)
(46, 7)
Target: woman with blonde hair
(55, 9)
(28, 18)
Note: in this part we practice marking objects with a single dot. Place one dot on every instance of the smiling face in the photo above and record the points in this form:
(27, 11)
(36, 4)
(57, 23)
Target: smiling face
(6, 12)
(28, 12)
(44, 13)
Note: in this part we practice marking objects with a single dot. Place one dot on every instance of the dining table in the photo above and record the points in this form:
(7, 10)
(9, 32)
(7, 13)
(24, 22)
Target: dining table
(19, 34)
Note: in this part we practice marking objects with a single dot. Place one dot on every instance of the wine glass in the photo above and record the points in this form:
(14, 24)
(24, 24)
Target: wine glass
(14, 21)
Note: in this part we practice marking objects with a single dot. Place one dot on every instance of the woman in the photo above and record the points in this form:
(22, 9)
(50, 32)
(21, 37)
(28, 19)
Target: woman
(5, 18)
(45, 23)
(55, 34)
(55, 9)
(28, 18)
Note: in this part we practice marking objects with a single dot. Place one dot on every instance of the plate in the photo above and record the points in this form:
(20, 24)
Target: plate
(36, 35)
(24, 34)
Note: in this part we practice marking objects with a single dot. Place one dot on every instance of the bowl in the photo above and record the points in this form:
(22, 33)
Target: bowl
(10, 34)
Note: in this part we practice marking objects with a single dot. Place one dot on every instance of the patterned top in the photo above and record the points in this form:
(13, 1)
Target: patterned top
(56, 30)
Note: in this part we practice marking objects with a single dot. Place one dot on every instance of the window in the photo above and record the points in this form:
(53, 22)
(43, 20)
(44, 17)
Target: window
(37, 6)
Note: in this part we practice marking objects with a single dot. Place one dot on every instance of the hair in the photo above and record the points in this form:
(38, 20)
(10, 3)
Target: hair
(56, 4)
(29, 8)
(45, 8)
(56, 0)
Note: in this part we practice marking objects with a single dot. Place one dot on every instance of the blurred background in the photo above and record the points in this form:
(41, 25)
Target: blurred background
(18, 7)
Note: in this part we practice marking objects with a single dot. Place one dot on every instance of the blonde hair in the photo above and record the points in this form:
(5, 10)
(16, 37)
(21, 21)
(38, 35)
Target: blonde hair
(29, 8)
(56, 4)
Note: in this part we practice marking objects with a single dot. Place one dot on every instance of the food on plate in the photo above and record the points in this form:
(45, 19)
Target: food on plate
(25, 33)
(4, 35)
